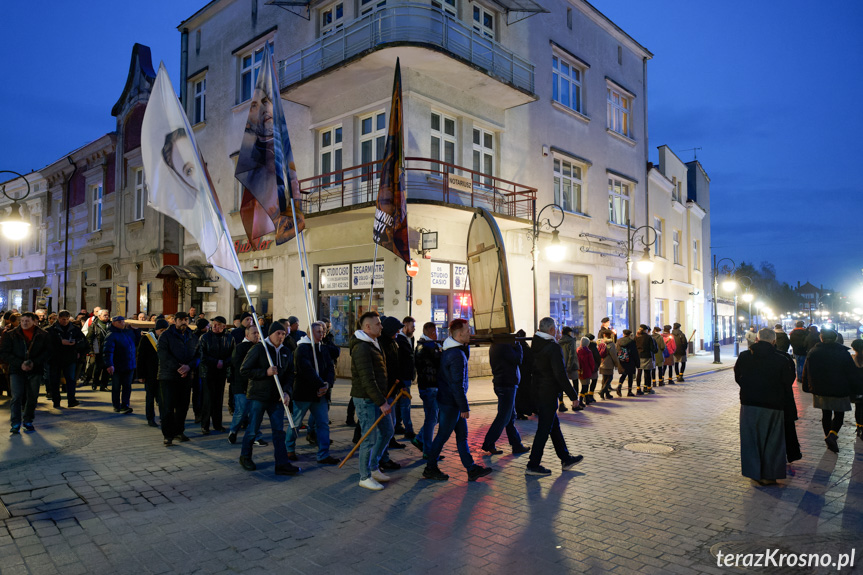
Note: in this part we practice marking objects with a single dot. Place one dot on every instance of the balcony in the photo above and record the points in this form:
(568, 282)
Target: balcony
(418, 31)
(427, 181)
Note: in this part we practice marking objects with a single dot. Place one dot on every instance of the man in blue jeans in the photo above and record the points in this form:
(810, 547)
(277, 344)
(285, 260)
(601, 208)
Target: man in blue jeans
(311, 382)
(452, 404)
(797, 337)
(240, 384)
(427, 361)
(505, 359)
(119, 357)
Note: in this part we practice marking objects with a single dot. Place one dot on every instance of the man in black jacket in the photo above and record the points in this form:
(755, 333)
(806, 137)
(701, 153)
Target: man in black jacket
(25, 349)
(549, 379)
(797, 338)
(96, 338)
(148, 370)
(178, 358)
(407, 373)
(782, 340)
(239, 384)
(264, 362)
(427, 363)
(216, 347)
(67, 342)
(505, 359)
(391, 326)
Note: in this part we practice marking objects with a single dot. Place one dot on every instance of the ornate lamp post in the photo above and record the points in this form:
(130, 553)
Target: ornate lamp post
(555, 251)
(644, 264)
(728, 271)
(14, 226)
(732, 284)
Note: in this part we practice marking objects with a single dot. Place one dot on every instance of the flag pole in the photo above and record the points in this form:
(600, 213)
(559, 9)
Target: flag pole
(308, 291)
(372, 282)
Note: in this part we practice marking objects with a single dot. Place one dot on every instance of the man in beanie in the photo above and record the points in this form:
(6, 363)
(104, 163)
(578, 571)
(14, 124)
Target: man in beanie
(296, 334)
(148, 370)
(239, 334)
(119, 358)
(215, 347)
(263, 395)
(177, 360)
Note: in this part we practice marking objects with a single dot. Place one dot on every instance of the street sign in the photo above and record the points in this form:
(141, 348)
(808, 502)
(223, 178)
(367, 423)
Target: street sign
(412, 268)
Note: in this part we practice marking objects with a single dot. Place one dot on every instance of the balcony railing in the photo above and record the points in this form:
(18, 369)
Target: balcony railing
(426, 179)
(407, 24)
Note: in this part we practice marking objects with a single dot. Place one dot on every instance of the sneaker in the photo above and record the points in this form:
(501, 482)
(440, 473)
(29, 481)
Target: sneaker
(571, 462)
(380, 476)
(478, 471)
(490, 450)
(395, 444)
(329, 460)
(16, 430)
(435, 474)
(292, 456)
(126, 410)
(538, 470)
(182, 437)
(390, 465)
(232, 438)
(260, 443)
(679, 378)
(118, 409)
(287, 469)
(418, 444)
(74, 403)
(247, 463)
(371, 484)
(830, 440)
(519, 449)
(29, 427)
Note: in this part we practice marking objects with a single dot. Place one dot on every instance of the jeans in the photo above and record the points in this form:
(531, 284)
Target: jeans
(25, 391)
(449, 420)
(373, 448)
(801, 360)
(153, 396)
(547, 424)
(67, 371)
(175, 405)
(211, 401)
(121, 387)
(429, 399)
(317, 415)
(403, 410)
(505, 418)
(276, 411)
(241, 414)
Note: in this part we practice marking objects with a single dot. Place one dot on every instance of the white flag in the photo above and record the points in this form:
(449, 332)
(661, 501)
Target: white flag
(179, 185)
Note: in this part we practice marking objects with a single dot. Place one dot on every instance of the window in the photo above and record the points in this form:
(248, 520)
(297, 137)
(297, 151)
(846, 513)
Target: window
(618, 202)
(332, 18)
(367, 6)
(615, 301)
(567, 186)
(250, 65)
(483, 21)
(660, 312)
(140, 194)
(373, 139)
(200, 88)
(618, 112)
(675, 189)
(657, 246)
(96, 212)
(16, 249)
(568, 303)
(676, 248)
(36, 240)
(483, 155)
(443, 141)
(448, 6)
(566, 83)
(331, 152)
(695, 259)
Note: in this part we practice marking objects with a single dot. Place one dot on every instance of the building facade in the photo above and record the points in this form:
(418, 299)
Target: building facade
(22, 263)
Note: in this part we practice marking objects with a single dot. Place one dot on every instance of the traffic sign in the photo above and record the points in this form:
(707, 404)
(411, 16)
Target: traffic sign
(412, 269)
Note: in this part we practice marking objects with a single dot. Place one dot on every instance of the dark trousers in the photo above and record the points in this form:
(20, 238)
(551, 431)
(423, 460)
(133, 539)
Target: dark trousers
(153, 396)
(679, 367)
(505, 418)
(547, 425)
(175, 405)
(213, 390)
(196, 394)
(858, 413)
(624, 376)
(101, 377)
(25, 393)
(67, 371)
(352, 409)
(606, 384)
(449, 421)
(792, 445)
(121, 387)
(832, 421)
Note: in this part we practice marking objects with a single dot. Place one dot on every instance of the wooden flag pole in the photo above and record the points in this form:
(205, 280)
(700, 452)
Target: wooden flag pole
(374, 270)
(402, 393)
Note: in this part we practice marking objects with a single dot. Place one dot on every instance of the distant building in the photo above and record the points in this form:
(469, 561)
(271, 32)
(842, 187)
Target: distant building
(22, 263)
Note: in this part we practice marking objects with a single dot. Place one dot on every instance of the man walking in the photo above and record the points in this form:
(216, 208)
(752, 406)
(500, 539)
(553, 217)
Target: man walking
(427, 361)
(646, 357)
(505, 360)
(453, 406)
(782, 340)
(407, 373)
(751, 337)
(67, 342)
(216, 347)
(25, 349)
(119, 358)
(240, 384)
(549, 379)
(177, 358)
(148, 370)
(96, 338)
(681, 349)
(797, 338)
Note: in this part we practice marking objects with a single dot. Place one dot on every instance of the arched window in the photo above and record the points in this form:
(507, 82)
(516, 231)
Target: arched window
(106, 272)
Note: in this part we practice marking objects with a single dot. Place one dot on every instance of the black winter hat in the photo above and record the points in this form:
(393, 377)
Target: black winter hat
(274, 327)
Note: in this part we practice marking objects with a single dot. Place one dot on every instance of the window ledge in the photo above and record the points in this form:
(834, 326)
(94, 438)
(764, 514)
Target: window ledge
(678, 207)
(578, 115)
(135, 225)
(199, 126)
(616, 225)
(578, 215)
(677, 265)
(621, 137)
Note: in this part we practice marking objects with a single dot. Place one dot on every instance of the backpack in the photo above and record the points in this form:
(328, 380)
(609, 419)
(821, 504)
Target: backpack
(603, 349)
(623, 354)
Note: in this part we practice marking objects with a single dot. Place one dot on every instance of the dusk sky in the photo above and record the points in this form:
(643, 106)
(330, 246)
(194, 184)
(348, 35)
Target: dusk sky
(767, 90)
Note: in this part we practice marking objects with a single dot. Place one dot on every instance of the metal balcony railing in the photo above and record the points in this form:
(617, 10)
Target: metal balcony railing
(426, 179)
(407, 24)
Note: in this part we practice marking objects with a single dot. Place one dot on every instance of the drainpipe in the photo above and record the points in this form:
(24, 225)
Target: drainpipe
(66, 247)
(184, 64)
(644, 163)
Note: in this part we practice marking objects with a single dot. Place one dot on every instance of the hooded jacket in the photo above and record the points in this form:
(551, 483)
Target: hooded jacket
(782, 341)
(585, 360)
(681, 343)
(797, 338)
(629, 343)
(505, 360)
(262, 387)
(307, 381)
(569, 345)
(427, 362)
(66, 354)
(176, 348)
(549, 374)
(390, 349)
(830, 370)
(813, 338)
(14, 350)
(368, 368)
(120, 348)
(407, 370)
(452, 376)
(610, 362)
(215, 347)
(646, 346)
(766, 377)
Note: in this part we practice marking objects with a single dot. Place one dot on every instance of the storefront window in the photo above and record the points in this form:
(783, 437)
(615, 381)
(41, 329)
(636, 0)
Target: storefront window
(343, 296)
(450, 298)
(615, 298)
(16, 299)
(260, 286)
(568, 301)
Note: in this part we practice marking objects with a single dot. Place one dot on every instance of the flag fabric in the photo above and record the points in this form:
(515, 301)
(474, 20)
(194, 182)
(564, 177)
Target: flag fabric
(265, 165)
(256, 222)
(179, 185)
(391, 213)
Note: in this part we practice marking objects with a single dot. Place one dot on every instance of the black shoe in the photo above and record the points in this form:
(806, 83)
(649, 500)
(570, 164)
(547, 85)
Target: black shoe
(16, 430)
(205, 431)
(490, 450)
(232, 438)
(311, 439)
(426, 457)
(58, 406)
(182, 437)
(589, 399)
(435, 473)
(639, 392)
(247, 463)
(562, 408)
(29, 427)
(168, 443)
(619, 390)
(152, 423)
(260, 443)
(104, 389)
(478, 471)
(409, 435)
(395, 444)
(679, 378)
(329, 460)
(399, 429)
(126, 410)
(292, 456)
(93, 387)
(287, 469)
(350, 422)
(571, 462)
(118, 409)
(389, 465)
(73, 403)
(519, 449)
(660, 384)
(830, 440)
(417, 443)
(577, 407)
(197, 420)
(630, 394)
(220, 429)
(796, 457)
(538, 470)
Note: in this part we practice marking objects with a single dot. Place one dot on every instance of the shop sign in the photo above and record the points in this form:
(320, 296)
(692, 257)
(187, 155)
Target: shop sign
(243, 246)
(440, 316)
(440, 275)
(460, 183)
(459, 276)
(209, 307)
(362, 275)
(334, 277)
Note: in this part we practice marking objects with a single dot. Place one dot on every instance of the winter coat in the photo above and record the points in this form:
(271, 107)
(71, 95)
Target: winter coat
(329, 343)
(797, 337)
(524, 401)
(812, 339)
(407, 370)
(681, 344)
(14, 350)
(569, 345)
(262, 387)
(587, 363)
(307, 381)
(830, 371)
(766, 378)
(549, 373)
(646, 346)
(147, 360)
(427, 362)
(782, 341)
(215, 347)
(239, 382)
(505, 360)
(610, 362)
(750, 337)
(97, 335)
(120, 349)
(660, 347)
(368, 369)
(628, 342)
(176, 348)
(452, 379)
(66, 354)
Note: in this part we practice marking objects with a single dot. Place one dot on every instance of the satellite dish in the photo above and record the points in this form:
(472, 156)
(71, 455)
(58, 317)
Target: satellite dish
(46, 291)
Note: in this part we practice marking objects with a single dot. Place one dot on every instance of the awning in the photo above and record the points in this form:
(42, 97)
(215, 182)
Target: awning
(184, 272)
(526, 9)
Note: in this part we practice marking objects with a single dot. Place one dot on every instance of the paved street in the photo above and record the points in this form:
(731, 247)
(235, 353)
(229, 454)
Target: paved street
(96, 492)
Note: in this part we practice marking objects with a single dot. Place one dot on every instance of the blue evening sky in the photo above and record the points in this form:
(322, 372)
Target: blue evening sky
(767, 89)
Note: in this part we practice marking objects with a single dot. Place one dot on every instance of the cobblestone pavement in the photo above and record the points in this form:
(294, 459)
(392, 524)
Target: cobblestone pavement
(95, 492)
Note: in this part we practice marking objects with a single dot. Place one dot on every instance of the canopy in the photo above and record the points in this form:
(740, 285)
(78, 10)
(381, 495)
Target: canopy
(184, 272)
(526, 8)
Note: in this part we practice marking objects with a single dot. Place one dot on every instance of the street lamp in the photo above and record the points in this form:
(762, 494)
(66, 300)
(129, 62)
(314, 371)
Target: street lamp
(645, 264)
(555, 250)
(731, 284)
(14, 226)
(728, 271)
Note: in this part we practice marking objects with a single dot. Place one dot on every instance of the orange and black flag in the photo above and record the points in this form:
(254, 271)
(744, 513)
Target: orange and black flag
(391, 215)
